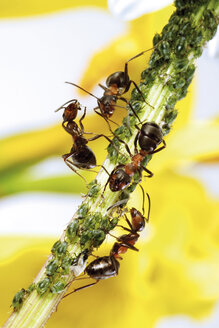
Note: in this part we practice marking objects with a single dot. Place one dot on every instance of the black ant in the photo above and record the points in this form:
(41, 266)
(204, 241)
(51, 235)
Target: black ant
(108, 266)
(149, 137)
(81, 155)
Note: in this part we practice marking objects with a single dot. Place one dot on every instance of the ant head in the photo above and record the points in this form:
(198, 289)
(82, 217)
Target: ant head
(138, 220)
(119, 179)
(71, 111)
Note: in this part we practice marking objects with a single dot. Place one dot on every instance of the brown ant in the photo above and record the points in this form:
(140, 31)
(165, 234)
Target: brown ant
(108, 266)
(148, 137)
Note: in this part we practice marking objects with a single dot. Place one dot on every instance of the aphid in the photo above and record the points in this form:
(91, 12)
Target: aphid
(82, 157)
(148, 137)
(18, 299)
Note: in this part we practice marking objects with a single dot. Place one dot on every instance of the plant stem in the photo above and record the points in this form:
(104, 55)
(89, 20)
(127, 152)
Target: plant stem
(164, 82)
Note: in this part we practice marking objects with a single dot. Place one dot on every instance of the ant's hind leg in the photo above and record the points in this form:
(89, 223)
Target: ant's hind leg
(80, 288)
(70, 165)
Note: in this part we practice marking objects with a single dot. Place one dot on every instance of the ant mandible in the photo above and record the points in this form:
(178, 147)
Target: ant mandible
(108, 266)
(148, 137)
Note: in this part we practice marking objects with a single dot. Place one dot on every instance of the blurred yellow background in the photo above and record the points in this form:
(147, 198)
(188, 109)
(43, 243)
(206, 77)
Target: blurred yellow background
(174, 279)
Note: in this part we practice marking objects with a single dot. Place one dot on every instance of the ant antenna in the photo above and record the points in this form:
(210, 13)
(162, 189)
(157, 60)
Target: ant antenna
(149, 207)
(82, 89)
(67, 102)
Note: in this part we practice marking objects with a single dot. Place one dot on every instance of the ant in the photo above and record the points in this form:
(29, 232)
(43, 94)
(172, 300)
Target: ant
(148, 137)
(108, 266)
(117, 84)
(81, 155)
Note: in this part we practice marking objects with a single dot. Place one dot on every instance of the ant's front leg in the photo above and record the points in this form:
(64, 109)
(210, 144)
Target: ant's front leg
(132, 109)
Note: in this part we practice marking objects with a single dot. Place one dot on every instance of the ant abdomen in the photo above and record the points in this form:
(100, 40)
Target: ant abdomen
(150, 136)
(83, 157)
(103, 268)
(120, 79)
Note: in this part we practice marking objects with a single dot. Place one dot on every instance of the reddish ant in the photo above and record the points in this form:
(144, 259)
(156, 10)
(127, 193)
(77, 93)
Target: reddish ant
(117, 84)
(149, 137)
(108, 266)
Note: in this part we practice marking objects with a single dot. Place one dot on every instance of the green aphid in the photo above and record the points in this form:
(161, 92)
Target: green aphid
(181, 46)
(31, 288)
(170, 117)
(58, 287)
(43, 286)
(82, 211)
(93, 191)
(66, 263)
(18, 299)
(164, 48)
(113, 223)
(92, 238)
(72, 230)
(52, 267)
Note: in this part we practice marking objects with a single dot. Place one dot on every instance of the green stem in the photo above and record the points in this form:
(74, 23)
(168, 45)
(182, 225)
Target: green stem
(164, 82)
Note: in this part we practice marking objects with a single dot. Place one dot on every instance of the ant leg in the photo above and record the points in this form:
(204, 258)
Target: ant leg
(70, 165)
(107, 138)
(128, 103)
(139, 91)
(120, 140)
(107, 120)
(105, 186)
(148, 171)
(136, 142)
(129, 223)
(140, 54)
(80, 288)
(104, 169)
(159, 149)
(120, 202)
(81, 119)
